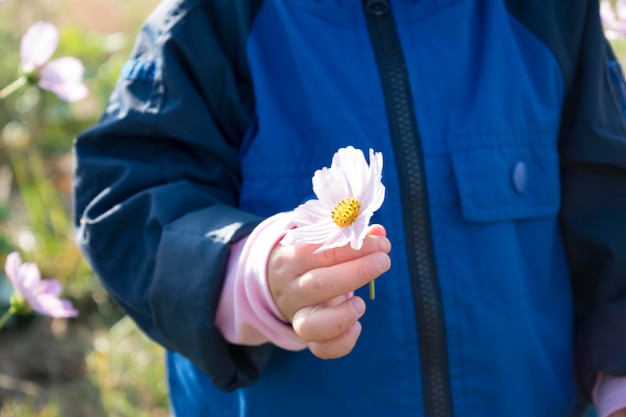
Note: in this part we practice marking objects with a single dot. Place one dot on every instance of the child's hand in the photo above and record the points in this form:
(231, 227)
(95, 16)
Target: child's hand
(309, 290)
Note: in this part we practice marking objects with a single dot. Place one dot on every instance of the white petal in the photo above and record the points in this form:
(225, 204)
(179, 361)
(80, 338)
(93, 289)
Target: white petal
(329, 186)
(612, 35)
(340, 158)
(606, 12)
(378, 197)
(614, 28)
(12, 266)
(352, 164)
(367, 194)
(30, 277)
(376, 163)
(68, 69)
(347, 156)
(63, 77)
(50, 287)
(338, 239)
(52, 306)
(311, 212)
(371, 192)
(38, 44)
(620, 5)
(69, 92)
(313, 233)
(358, 230)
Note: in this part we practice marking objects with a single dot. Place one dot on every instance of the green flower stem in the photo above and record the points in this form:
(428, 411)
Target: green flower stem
(372, 290)
(13, 87)
(5, 317)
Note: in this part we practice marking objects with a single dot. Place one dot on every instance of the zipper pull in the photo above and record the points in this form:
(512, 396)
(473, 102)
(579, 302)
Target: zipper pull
(377, 7)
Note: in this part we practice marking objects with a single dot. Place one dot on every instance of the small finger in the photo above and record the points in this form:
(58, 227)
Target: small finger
(319, 285)
(326, 322)
(307, 260)
(339, 346)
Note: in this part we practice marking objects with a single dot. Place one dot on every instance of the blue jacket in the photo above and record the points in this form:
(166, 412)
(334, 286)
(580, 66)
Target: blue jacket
(502, 127)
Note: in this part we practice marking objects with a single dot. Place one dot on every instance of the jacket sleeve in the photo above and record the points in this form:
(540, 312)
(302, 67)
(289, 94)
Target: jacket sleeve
(593, 157)
(156, 182)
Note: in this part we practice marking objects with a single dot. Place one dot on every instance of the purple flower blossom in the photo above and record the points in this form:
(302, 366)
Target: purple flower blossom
(62, 76)
(41, 295)
(614, 23)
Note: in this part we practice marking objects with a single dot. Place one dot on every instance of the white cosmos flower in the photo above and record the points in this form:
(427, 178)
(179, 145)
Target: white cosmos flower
(62, 76)
(614, 23)
(348, 193)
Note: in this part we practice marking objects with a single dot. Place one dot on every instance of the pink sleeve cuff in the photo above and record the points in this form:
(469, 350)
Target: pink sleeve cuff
(609, 394)
(247, 314)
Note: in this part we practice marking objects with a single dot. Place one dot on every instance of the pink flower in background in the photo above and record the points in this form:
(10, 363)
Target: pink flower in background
(349, 192)
(62, 76)
(41, 295)
(614, 23)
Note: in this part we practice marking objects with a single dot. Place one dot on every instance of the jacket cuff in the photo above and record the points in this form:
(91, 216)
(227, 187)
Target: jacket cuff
(247, 314)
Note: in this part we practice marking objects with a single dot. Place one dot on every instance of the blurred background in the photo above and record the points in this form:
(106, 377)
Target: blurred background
(98, 364)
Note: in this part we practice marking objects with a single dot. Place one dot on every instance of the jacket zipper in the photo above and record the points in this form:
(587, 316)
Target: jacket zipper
(436, 390)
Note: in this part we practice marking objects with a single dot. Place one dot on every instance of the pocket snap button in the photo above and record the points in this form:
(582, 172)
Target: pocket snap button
(519, 177)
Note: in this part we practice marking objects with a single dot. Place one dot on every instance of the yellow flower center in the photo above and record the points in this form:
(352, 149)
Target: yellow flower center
(346, 212)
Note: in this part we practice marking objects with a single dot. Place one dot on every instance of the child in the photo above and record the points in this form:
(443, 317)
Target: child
(501, 125)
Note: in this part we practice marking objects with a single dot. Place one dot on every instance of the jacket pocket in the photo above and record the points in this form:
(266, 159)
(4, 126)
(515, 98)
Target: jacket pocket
(508, 248)
(508, 182)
